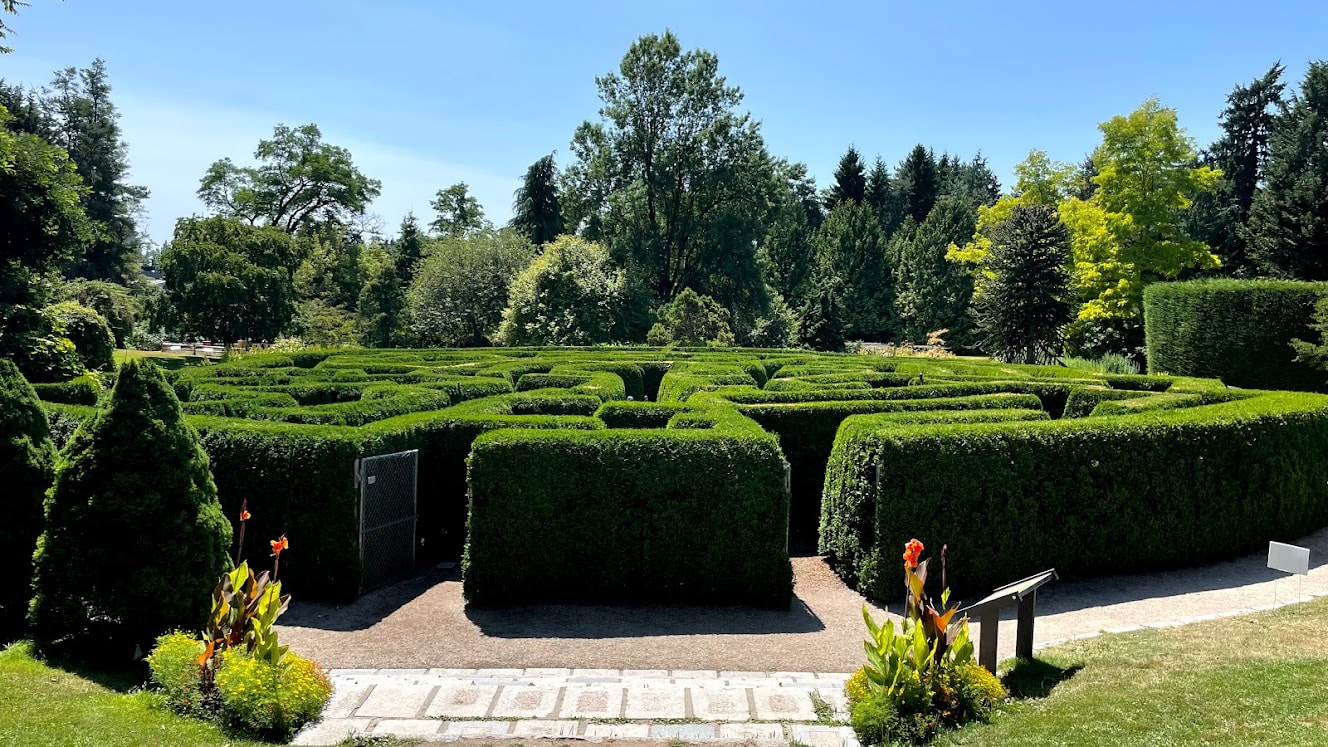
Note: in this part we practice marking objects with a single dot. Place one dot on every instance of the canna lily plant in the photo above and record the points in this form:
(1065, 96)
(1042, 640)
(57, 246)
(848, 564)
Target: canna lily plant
(245, 608)
(927, 641)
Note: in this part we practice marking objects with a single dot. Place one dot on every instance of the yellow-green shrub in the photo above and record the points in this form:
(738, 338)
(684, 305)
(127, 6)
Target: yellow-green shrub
(270, 699)
(174, 666)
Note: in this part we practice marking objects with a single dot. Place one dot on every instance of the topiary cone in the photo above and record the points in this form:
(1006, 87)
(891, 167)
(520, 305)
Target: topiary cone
(27, 462)
(135, 538)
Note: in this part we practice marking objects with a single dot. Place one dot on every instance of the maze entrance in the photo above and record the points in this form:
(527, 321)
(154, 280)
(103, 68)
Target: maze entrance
(388, 516)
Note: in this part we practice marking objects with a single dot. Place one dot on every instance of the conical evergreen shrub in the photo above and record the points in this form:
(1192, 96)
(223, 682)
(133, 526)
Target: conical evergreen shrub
(27, 464)
(135, 538)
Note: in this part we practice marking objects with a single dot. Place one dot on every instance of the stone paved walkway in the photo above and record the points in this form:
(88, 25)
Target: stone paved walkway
(695, 706)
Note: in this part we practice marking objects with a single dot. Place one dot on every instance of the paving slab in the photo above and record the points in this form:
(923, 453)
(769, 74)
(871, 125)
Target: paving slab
(538, 701)
(462, 701)
(660, 703)
(395, 701)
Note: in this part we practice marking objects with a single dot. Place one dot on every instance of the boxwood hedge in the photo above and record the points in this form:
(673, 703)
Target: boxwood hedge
(679, 494)
(1239, 331)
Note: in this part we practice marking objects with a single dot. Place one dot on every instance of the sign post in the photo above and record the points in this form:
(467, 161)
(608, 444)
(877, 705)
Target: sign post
(1289, 559)
(988, 611)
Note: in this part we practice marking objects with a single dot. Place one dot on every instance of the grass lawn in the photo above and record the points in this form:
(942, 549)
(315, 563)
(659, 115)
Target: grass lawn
(1256, 680)
(172, 361)
(44, 705)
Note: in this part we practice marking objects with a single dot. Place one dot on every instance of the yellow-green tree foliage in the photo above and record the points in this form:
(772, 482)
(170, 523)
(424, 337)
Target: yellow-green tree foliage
(1129, 231)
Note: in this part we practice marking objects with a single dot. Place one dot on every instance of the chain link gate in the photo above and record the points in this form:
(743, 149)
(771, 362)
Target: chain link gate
(387, 516)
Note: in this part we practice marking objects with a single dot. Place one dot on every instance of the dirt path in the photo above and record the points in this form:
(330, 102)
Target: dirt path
(423, 623)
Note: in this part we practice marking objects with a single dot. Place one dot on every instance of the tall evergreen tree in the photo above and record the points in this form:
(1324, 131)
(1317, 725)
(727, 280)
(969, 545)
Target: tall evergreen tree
(380, 308)
(934, 293)
(1220, 218)
(86, 124)
(26, 109)
(537, 212)
(850, 246)
(1288, 225)
(821, 319)
(971, 181)
(850, 180)
(408, 249)
(883, 197)
(918, 182)
(1024, 299)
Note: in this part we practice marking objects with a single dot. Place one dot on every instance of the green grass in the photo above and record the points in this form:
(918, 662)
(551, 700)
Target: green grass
(44, 705)
(170, 361)
(1254, 680)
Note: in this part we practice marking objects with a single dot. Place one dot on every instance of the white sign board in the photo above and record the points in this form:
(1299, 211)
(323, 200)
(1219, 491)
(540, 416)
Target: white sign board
(1289, 558)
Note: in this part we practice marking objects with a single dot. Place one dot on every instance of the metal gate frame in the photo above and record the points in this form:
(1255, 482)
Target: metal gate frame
(363, 481)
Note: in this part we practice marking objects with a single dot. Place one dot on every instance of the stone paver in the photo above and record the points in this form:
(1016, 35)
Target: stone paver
(463, 701)
(783, 704)
(617, 731)
(720, 704)
(527, 702)
(660, 703)
(477, 729)
(395, 701)
(542, 728)
(410, 728)
(591, 702)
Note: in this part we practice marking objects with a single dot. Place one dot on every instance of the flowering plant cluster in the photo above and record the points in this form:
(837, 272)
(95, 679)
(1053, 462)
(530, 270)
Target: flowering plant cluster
(921, 676)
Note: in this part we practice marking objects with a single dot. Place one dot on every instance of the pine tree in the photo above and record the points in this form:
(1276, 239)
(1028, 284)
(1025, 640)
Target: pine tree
(919, 183)
(86, 124)
(381, 304)
(26, 461)
(135, 538)
(850, 246)
(1288, 224)
(408, 249)
(850, 180)
(537, 212)
(821, 319)
(934, 293)
(1023, 300)
(883, 198)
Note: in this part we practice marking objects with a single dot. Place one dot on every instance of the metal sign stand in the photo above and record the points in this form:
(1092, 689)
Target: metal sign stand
(988, 610)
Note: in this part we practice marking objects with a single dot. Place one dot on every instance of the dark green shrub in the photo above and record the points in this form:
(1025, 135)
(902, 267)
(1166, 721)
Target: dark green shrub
(27, 460)
(88, 331)
(1239, 331)
(610, 516)
(134, 537)
(1085, 496)
(85, 390)
(639, 414)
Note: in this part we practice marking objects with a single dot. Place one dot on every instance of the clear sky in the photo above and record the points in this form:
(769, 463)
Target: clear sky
(426, 93)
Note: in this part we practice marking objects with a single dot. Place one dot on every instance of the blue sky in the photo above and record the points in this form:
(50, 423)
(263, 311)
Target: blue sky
(426, 93)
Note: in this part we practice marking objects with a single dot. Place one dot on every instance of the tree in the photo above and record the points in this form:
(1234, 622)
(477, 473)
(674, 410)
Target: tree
(299, 180)
(883, 198)
(918, 182)
(228, 280)
(785, 254)
(821, 320)
(850, 181)
(933, 293)
(380, 308)
(537, 213)
(117, 304)
(1220, 218)
(84, 121)
(334, 267)
(408, 249)
(674, 179)
(461, 290)
(88, 331)
(691, 320)
(459, 213)
(972, 182)
(135, 538)
(850, 246)
(27, 460)
(567, 296)
(28, 111)
(1131, 232)
(1024, 298)
(1288, 224)
(8, 6)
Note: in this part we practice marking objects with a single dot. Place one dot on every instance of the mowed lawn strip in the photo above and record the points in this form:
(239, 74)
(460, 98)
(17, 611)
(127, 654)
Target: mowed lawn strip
(1258, 679)
(43, 705)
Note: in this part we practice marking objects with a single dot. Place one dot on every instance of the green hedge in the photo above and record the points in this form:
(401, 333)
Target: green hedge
(1239, 331)
(639, 414)
(614, 516)
(1131, 494)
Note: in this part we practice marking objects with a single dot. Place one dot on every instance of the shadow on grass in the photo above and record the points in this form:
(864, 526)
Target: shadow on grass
(1035, 678)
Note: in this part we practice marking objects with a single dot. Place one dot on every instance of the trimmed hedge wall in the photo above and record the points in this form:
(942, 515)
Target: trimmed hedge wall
(612, 516)
(1239, 331)
(1129, 494)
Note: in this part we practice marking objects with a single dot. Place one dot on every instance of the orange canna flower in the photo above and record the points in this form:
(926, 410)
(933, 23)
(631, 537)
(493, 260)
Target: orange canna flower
(911, 552)
(244, 515)
(279, 544)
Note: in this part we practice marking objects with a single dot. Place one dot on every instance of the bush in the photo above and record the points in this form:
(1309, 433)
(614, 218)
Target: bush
(875, 720)
(173, 662)
(1239, 331)
(715, 531)
(84, 390)
(88, 331)
(1085, 496)
(113, 302)
(271, 700)
(134, 535)
(27, 462)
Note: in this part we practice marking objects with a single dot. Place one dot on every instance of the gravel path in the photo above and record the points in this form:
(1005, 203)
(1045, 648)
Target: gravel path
(423, 623)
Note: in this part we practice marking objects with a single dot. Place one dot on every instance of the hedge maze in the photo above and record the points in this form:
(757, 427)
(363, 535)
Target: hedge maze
(651, 474)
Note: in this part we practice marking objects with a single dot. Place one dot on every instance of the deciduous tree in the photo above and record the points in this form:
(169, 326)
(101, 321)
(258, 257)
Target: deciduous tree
(567, 296)
(459, 214)
(461, 290)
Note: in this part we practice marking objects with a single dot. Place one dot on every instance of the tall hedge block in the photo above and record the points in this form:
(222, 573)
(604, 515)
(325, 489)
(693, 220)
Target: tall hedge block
(27, 460)
(601, 516)
(1129, 494)
(134, 537)
(1239, 331)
